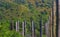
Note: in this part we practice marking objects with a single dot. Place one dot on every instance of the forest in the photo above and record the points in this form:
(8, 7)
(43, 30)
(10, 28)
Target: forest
(12, 11)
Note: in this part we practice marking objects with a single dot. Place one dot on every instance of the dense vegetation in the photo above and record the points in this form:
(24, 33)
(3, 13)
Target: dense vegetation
(22, 10)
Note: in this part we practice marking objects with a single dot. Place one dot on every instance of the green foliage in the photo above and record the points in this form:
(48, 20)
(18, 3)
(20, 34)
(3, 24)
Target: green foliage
(12, 10)
(10, 34)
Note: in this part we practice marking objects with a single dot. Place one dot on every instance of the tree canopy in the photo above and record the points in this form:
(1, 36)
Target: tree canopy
(25, 10)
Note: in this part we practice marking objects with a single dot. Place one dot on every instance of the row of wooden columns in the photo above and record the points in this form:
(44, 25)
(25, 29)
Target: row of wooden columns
(52, 23)
(55, 19)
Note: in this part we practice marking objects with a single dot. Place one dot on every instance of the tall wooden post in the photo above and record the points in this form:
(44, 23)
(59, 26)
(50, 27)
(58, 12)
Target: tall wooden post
(58, 18)
(50, 24)
(54, 19)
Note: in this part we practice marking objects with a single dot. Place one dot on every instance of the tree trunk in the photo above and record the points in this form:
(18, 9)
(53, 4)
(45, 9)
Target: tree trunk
(12, 25)
(23, 29)
(50, 24)
(17, 26)
(33, 35)
(46, 28)
(41, 26)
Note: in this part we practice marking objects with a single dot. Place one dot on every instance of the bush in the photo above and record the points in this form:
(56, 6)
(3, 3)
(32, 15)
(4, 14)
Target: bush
(10, 34)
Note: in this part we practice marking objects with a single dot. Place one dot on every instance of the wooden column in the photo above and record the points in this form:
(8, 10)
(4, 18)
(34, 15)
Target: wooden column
(59, 18)
(54, 19)
(50, 24)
